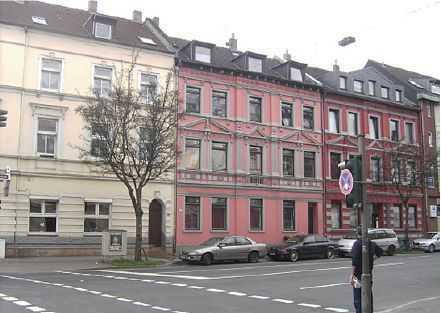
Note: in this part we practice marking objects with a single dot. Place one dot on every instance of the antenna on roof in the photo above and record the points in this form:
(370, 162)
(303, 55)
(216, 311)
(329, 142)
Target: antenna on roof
(336, 67)
(287, 56)
(232, 43)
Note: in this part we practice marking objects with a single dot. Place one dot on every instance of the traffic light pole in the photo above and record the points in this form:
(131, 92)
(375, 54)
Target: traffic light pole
(366, 279)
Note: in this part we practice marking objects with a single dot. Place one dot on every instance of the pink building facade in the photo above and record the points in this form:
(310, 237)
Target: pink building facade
(249, 150)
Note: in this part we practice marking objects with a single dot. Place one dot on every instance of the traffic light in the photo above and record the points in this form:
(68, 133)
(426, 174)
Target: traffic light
(355, 166)
(3, 118)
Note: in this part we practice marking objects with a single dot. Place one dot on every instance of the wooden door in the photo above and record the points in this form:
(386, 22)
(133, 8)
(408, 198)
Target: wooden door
(155, 223)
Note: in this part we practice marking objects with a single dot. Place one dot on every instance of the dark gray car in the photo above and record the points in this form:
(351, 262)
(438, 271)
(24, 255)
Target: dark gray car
(225, 248)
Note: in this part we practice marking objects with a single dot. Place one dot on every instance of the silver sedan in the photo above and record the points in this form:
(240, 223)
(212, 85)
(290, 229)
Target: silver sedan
(225, 248)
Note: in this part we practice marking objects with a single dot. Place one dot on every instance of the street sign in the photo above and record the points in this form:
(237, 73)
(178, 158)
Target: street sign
(346, 182)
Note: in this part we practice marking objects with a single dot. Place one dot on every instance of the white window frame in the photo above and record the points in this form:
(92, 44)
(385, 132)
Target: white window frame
(227, 100)
(338, 129)
(262, 230)
(200, 152)
(340, 80)
(97, 215)
(295, 77)
(260, 69)
(294, 162)
(261, 108)
(357, 115)
(292, 113)
(202, 60)
(406, 137)
(227, 152)
(358, 81)
(430, 139)
(371, 82)
(201, 217)
(379, 126)
(40, 74)
(390, 129)
(227, 212)
(201, 95)
(295, 219)
(140, 84)
(388, 92)
(400, 93)
(380, 162)
(102, 77)
(44, 214)
(110, 30)
(48, 133)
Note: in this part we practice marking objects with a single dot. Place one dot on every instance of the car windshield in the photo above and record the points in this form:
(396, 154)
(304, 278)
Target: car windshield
(212, 241)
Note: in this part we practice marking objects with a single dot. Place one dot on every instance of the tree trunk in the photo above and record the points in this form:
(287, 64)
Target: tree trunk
(138, 239)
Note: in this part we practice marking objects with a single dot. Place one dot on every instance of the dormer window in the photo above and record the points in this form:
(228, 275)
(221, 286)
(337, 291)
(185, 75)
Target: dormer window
(103, 30)
(358, 86)
(295, 74)
(39, 20)
(435, 89)
(342, 82)
(202, 54)
(254, 64)
(384, 92)
(398, 95)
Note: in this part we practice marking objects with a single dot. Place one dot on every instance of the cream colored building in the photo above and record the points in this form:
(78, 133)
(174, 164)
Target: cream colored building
(50, 58)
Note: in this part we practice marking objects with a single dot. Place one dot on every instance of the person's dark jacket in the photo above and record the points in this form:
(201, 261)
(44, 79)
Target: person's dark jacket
(356, 252)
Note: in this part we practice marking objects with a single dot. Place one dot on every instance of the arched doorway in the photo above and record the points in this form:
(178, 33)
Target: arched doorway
(155, 223)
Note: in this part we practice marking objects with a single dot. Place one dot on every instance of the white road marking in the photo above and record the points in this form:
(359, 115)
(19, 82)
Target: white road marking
(259, 297)
(337, 310)
(179, 312)
(80, 289)
(134, 279)
(315, 306)
(155, 275)
(215, 290)
(10, 298)
(160, 308)
(147, 280)
(57, 284)
(394, 309)
(235, 293)
(196, 287)
(95, 292)
(107, 296)
(179, 285)
(68, 287)
(35, 309)
(3, 295)
(109, 276)
(141, 303)
(124, 299)
(22, 303)
(162, 282)
(323, 286)
(283, 301)
(120, 277)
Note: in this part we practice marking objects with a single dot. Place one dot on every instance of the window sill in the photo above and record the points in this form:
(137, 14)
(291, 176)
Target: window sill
(42, 234)
(256, 231)
(289, 231)
(192, 231)
(219, 231)
(93, 234)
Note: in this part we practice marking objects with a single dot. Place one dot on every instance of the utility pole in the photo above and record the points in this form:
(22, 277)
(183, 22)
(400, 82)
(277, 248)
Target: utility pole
(366, 279)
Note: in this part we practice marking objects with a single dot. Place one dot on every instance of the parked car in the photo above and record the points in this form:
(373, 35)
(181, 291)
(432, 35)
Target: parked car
(385, 238)
(429, 244)
(304, 247)
(225, 248)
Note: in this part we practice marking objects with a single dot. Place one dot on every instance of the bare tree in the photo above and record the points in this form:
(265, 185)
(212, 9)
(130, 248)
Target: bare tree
(132, 134)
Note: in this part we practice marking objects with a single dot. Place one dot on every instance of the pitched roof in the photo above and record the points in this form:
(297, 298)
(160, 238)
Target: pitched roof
(225, 58)
(74, 22)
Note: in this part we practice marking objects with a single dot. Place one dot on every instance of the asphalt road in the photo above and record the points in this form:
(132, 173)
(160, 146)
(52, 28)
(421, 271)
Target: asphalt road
(402, 284)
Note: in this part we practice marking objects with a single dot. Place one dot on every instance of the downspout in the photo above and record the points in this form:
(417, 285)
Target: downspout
(423, 158)
(322, 117)
(176, 155)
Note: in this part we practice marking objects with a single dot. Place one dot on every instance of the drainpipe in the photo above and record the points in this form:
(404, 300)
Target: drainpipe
(322, 110)
(423, 158)
(176, 73)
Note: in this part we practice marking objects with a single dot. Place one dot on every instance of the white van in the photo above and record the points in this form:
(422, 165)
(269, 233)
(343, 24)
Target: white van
(385, 238)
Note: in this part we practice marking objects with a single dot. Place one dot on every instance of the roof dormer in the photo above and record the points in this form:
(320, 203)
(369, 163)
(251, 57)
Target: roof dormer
(250, 61)
(103, 28)
(291, 70)
(202, 51)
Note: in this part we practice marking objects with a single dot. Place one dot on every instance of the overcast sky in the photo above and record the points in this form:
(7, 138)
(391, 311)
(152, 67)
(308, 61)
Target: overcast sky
(402, 33)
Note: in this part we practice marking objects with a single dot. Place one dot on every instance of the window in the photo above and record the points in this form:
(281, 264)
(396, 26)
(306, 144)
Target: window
(219, 214)
(144, 145)
(412, 216)
(296, 74)
(429, 110)
(396, 216)
(375, 168)
(335, 158)
(373, 127)
(43, 216)
(288, 162)
(39, 20)
(148, 86)
(241, 241)
(102, 80)
(430, 139)
(146, 40)
(342, 82)
(50, 74)
(103, 31)
(411, 172)
(430, 177)
(219, 152)
(398, 95)
(395, 172)
(219, 103)
(255, 109)
(287, 116)
(254, 65)
(371, 88)
(353, 123)
(192, 213)
(434, 89)
(358, 86)
(334, 121)
(384, 92)
(97, 143)
(193, 100)
(192, 154)
(47, 137)
(409, 133)
(96, 217)
(394, 128)
(255, 160)
(336, 216)
(308, 117)
(256, 214)
(202, 54)
(289, 215)
(309, 164)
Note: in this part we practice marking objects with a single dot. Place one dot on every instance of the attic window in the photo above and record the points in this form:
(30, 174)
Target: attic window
(39, 20)
(435, 89)
(254, 64)
(296, 74)
(202, 54)
(147, 40)
(103, 31)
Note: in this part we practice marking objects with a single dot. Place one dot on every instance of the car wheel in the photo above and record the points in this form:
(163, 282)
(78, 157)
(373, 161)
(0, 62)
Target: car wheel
(390, 250)
(207, 259)
(330, 254)
(431, 248)
(253, 257)
(294, 256)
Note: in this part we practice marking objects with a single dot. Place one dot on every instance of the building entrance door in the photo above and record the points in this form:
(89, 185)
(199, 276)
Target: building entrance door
(155, 223)
(311, 217)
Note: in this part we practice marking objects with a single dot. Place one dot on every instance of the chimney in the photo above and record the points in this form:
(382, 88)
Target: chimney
(156, 21)
(93, 6)
(137, 16)
(336, 67)
(287, 56)
(232, 43)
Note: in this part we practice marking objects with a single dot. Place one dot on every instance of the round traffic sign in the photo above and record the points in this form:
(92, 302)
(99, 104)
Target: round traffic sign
(346, 182)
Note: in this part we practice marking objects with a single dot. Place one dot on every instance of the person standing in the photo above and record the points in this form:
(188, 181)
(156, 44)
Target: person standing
(357, 268)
